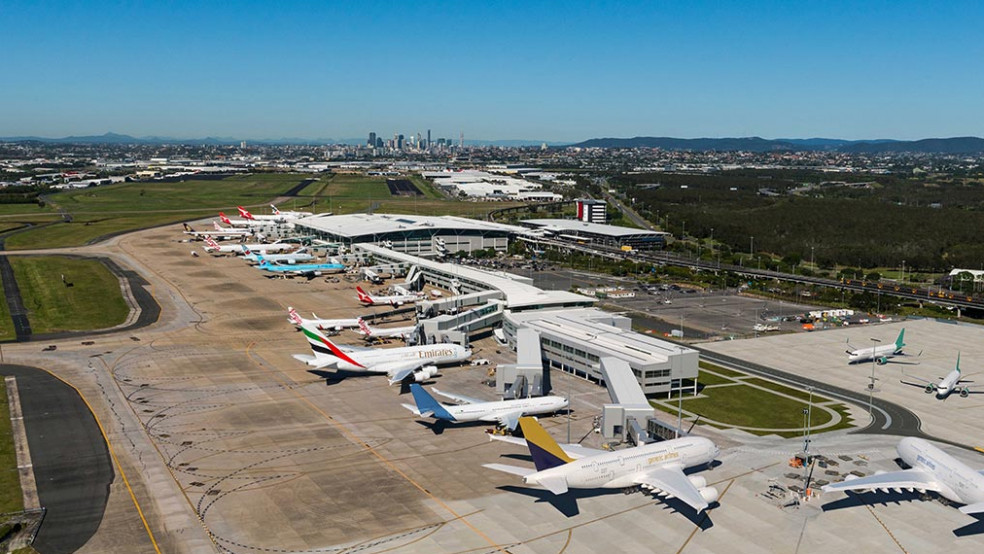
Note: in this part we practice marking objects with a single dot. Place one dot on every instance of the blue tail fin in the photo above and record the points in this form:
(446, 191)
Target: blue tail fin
(545, 451)
(426, 403)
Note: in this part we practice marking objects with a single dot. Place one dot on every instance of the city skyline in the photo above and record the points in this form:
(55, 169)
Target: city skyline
(537, 72)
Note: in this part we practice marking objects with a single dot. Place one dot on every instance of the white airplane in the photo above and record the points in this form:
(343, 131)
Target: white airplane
(880, 354)
(289, 214)
(392, 299)
(420, 362)
(221, 232)
(294, 257)
(212, 246)
(240, 222)
(945, 386)
(370, 333)
(931, 470)
(505, 412)
(244, 213)
(335, 325)
(657, 467)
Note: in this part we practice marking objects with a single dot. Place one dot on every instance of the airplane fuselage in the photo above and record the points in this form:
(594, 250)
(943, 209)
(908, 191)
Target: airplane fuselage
(529, 406)
(620, 469)
(427, 354)
(947, 385)
(877, 353)
(959, 482)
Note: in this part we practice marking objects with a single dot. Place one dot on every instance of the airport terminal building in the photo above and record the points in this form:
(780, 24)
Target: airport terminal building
(575, 341)
(425, 236)
(596, 233)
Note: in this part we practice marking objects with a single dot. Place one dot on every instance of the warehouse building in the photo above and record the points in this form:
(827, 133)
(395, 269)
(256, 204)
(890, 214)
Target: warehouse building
(575, 340)
(595, 233)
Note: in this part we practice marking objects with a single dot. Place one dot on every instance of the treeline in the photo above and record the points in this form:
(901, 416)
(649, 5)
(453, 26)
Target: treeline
(20, 194)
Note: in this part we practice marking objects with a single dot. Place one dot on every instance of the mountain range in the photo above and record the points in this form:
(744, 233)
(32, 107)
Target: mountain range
(115, 138)
(954, 145)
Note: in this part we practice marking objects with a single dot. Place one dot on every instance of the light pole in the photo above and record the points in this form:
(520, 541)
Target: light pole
(813, 265)
(807, 416)
(871, 385)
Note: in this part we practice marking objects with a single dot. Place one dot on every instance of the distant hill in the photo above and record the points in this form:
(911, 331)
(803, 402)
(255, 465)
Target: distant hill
(116, 138)
(957, 145)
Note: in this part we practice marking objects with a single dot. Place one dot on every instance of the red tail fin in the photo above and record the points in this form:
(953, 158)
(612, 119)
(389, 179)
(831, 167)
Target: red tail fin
(362, 295)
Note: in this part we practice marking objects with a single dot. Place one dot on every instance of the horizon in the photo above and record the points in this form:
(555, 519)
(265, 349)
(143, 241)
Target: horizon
(544, 72)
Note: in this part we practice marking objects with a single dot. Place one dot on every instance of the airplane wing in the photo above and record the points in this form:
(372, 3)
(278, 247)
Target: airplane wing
(514, 470)
(671, 480)
(922, 382)
(460, 399)
(574, 451)
(508, 420)
(398, 371)
(905, 479)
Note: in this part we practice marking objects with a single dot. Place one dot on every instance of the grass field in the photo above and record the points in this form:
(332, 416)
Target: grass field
(721, 370)
(796, 393)
(94, 300)
(99, 211)
(6, 325)
(11, 498)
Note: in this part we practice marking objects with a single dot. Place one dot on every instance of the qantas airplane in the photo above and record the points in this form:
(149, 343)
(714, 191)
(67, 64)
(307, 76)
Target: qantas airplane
(393, 299)
(241, 222)
(420, 362)
(222, 233)
(335, 325)
(657, 467)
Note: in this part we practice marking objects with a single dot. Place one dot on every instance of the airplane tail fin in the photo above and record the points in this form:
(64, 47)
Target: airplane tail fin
(224, 219)
(363, 297)
(365, 327)
(899, 342)
(293, 317)
(958, 362)
(323, 347)
(426, 404)
(545, 451)
(188, 228)
(244, 212)
(275, 210)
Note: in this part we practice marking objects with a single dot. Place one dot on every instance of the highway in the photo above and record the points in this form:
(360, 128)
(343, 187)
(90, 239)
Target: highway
(888, 418)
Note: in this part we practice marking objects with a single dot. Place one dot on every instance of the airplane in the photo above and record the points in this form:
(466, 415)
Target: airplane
(241, 222)
(393, 300)
(221, 232)
(212, 246)
(275, 218)
(657, 467)
(289, 214)
(303, 270)
(370, 333)
(335, 325)
(291, 258)
(945, 386)
(505, 412)
(418, 362)
(881, 354)
(931, 470)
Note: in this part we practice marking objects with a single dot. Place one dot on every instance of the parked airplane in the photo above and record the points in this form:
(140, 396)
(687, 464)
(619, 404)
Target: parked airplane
(931, 470)
(335, 325)
(370, 333)
(222, 232)
(294, 257)
(420, 362)
(302, 270)
(240, 222)
(505, 412)
(945, 386)
(393, 299)
(212, 246)
(244, 213)
(657, 467)
(289, 214)
(881, 354)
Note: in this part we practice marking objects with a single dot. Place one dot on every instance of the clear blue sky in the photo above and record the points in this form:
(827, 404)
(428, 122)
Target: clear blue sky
(561, 71)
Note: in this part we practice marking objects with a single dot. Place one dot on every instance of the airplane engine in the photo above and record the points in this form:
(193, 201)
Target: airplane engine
(930, 389)
(425, 373)
(882, 361)
(697, 481)
(964, 392)
(851, 477)
(317, 274)
(709, 494)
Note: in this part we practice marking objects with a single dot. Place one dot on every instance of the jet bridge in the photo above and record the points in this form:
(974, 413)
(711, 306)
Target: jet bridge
(456, 327)
(526, 377)
(455, 304)
(630, 410)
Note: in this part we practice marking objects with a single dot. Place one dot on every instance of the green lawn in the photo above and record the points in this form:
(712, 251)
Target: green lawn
(11, 498)
(99, 211)
(797, 393)
(6, 325)
(747, 406)
(94, 300)
(721, 370)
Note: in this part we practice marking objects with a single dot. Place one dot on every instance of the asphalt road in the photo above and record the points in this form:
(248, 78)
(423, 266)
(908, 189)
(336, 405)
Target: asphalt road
(888, 418)
(72, 466)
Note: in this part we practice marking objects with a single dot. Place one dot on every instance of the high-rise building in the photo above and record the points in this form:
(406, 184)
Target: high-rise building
(428, 138)
(590, 210)
(372, 139)
(379, 142)
(399, 142)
